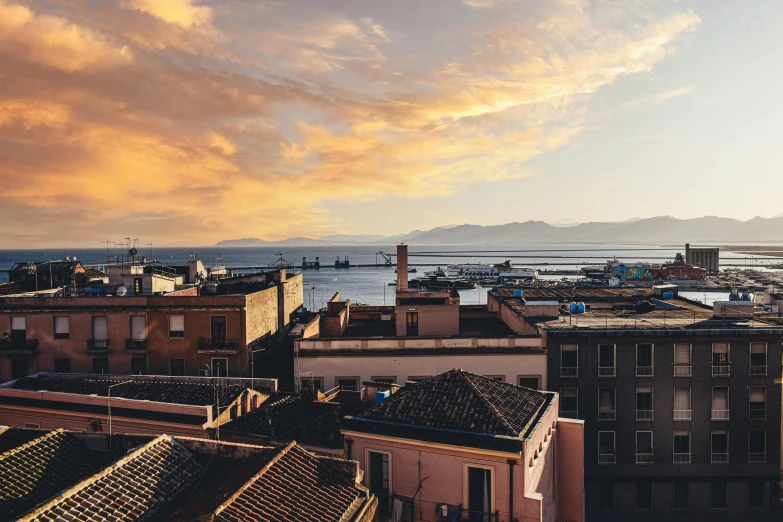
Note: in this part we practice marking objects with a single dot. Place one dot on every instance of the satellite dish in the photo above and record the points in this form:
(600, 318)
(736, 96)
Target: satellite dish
(121, 291)
(143, 259)
(67, 258)
(133, 251)
(74, 258)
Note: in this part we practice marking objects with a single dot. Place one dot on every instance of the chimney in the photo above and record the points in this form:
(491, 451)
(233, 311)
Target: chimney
(402, 268)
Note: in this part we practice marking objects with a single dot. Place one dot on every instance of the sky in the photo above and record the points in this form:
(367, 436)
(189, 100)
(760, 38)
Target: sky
(185, 122)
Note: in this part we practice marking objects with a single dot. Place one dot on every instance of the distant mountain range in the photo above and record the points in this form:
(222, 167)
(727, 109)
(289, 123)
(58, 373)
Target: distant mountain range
(656, 230)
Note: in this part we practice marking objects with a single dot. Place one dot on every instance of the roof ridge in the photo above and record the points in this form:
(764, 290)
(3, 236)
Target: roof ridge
(463, 374)
(283, 451)
(33, 442)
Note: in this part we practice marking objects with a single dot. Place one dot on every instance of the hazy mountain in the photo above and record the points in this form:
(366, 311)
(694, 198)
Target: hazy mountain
(353, 238)
(244, 242)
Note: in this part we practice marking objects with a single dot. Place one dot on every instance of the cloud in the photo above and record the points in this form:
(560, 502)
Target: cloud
(191, 123)
(659, 97)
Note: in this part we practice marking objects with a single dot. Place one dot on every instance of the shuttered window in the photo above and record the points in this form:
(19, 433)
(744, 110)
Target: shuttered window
(138, 327)
(177, 326)
(606, 399)
(19, 323)
(720, 353)
(758, 347)
(644, 398)
(720, 398)
(62, 327)
(682, 353)
(682, 398)
(100, 328)
(757, 396)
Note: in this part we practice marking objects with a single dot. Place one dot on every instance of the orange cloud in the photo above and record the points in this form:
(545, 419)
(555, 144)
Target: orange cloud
(177, 12)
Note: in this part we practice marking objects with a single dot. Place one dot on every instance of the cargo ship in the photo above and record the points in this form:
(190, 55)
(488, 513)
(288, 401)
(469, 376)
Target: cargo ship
(679, 269)
(643, 271)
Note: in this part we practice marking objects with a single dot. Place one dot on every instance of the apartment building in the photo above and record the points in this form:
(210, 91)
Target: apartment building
(205, 330)
(681, 402)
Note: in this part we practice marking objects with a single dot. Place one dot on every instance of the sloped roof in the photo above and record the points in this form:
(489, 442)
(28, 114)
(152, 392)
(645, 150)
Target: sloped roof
(464, 401)
(36, 470)
(137, 487)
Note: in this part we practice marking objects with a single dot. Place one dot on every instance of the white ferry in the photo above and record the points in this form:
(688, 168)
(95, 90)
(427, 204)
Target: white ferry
(485, 271)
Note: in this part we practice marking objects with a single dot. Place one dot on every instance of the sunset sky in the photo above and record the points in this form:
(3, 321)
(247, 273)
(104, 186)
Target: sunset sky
(185, 122)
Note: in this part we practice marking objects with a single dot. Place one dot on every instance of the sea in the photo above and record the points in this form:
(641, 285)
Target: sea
(367, 280)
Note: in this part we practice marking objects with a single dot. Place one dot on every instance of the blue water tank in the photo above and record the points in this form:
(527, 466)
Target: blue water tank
(381, 395)
(580, 307)
(668, 295)
(517, 293)
(301, 313)
(572, 307)
(494, 288)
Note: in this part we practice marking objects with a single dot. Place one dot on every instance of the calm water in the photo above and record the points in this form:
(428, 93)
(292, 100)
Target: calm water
(369, 285)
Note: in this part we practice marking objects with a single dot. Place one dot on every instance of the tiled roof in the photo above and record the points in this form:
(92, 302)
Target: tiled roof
(137, 487)
(38, 469)
(294, 486)
(289, 419)
(94, 273)
(10, 288)
(460, 400)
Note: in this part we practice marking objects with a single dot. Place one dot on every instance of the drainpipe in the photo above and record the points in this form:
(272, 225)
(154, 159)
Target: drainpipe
(511, 463)
(348, 443)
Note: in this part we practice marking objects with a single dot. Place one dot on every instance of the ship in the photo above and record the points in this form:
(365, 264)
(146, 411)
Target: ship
(616, 269)
(485, 272)
(680, 270)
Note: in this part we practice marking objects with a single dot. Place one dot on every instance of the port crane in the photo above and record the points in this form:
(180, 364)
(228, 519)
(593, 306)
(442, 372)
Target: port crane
(386, 258)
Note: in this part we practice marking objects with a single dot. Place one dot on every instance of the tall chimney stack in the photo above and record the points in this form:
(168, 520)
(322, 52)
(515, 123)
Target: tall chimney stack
(402, 268)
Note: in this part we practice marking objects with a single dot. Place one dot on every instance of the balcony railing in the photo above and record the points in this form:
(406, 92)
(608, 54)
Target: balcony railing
(607, 458)
(644, 415)
(19, 347)
(569, 371)
(681, 458)
(136, 345)
(97, 345)
(759, 370)
(644, 458)
(645, 371)
(606, 371)
(218, 345)
(682, 415)
(477, 516)
(683, 370)
(719, 458)
(569, 414)
(758, 414)
(721, 370)
(720, 415)
(757, 457)
(607, 415)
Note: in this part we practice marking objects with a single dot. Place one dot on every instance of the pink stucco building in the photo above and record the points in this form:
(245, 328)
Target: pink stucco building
(460, 446)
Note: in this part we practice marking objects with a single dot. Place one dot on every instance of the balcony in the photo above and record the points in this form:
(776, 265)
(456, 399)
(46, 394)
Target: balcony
(681, 458)
(19, 347)
(758, 414)
(682, 415)
(569, 371)
(683, 370)
(757, 458)
(606, 371)
(644, 458)
(607, 415)
(721, 370)
(645, 371)
(569, 414)
(220, 346)
(644, 415)
(758, 370)
(607, 458)
(98, 346)
(719, 458)
(476, 516)
(136, 345)
(720, 415)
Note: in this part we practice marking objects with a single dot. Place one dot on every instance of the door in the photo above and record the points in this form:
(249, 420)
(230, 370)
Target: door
(379, 481)
(479, 494)
(412, 322)
(18, 368)
(218, 329)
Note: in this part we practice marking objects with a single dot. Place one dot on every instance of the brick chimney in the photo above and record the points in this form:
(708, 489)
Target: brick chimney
(402, 268)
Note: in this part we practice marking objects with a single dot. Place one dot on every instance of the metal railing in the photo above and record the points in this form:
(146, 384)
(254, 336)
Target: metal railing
(644, 458)
(569, 414)
(644, 415)
(477, 516)
(607, 415)
(721, 370)
(719, 458)
(681, 458)
(137, 345)
(683, 370)
(759, 370)
(19, 346)
(607, 458)
(758, 414)
(757, 457)
(226, 345)
(682, 415)
(569, 371)
(606, 371)
(720, 415)
(98, 345)
(645, 371)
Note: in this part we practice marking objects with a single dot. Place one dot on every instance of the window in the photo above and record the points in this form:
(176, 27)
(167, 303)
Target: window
(682, 447)
(569, 403)
(758, 402)
(606, 404)
(480, 492)
(220, 367)
(721, 362)
(412, 323)
(379, 475)
(138, 366)
(720, 447)
(644, 404)
(681, 496)
(644, 360)
(644, 447)
(176, 326)
(605, 497)
(19, 329)
(384, 380)
(720, 403)
(644, 496)
(100, 333)
(682, 360)
(530, 382)
(606, 360)
(218, 327)
(718, 495)
(18, 368)
(138, 331)
(758, 358)
(569, 360)
(177, 367)
(606, 448)
(62, 365)
(757, 446)
(682, 404)
(347, 383)
(100, 365)
(756, 495)
(138, 286)
(62, 327)
(316, 382)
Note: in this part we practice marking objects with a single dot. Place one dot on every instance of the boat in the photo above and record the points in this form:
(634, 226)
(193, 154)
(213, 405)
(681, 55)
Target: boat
(486, 272)
(680, 270)
(614, 268)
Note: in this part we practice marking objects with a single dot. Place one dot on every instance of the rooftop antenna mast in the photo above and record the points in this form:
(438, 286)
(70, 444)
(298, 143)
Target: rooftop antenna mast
(152, 256)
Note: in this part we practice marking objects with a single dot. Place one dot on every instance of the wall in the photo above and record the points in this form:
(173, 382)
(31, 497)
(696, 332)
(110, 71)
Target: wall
(571, 469)
(261, 315)
(433, 319)
(293, 297)
(334, 325)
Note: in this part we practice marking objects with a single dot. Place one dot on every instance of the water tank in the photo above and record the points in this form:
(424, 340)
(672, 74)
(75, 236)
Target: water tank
(494, 288)
(572, 307)
(381, 395)
(668, 295)
(580, 307)
(644, 306)
(517, 293)
(209, 289)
